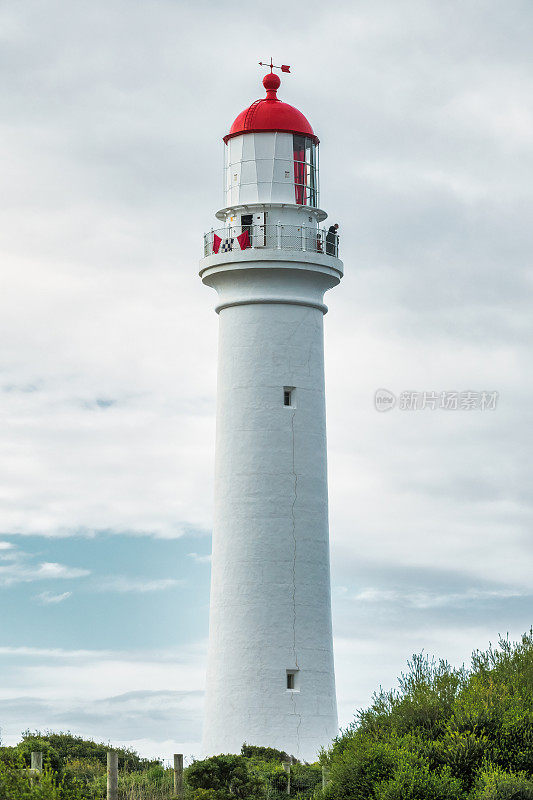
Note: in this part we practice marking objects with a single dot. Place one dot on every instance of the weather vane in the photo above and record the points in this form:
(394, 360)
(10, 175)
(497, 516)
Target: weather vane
(283, 67)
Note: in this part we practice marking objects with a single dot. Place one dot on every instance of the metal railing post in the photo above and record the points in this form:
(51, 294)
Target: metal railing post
(278, 234)
(304, 243)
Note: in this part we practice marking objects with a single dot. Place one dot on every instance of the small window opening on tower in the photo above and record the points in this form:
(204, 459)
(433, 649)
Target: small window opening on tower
(292, 683)
(288, 394)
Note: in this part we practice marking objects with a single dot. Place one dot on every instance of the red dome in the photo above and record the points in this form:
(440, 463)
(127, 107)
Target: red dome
(270, 114)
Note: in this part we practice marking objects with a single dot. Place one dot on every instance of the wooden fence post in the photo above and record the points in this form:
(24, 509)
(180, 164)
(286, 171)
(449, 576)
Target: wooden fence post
(178, 775)
(287, 768)
(37, 762)
(325, 777)
(112, 775)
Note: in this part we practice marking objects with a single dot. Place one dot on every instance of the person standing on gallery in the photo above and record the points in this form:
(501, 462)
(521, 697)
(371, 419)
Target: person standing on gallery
(331, 240)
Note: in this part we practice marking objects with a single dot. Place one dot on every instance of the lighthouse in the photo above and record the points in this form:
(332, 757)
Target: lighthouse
(270, 675)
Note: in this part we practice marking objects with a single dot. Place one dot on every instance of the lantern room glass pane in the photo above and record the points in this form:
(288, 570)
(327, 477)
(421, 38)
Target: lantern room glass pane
(305, 177)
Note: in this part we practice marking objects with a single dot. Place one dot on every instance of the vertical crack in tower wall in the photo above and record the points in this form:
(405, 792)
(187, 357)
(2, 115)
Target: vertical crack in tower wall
(294, 554)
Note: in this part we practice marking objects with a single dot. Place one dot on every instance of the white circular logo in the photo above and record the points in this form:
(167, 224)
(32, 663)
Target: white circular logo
(384, 400)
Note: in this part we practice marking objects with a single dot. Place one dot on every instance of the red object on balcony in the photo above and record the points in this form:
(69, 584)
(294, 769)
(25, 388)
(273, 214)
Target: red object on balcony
(270, 114)
(244, 240)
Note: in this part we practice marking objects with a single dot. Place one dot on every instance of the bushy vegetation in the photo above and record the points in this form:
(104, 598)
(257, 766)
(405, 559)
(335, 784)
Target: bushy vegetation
(59, 748)
(17, 783)
(444, 734)
(255, 774)
(75, 769)
(265, 753)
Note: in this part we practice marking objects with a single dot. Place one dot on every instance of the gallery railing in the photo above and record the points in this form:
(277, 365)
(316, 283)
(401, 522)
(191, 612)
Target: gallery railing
(271, 237)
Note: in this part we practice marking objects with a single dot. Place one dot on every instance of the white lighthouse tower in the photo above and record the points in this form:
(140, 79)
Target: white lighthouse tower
(270, 674)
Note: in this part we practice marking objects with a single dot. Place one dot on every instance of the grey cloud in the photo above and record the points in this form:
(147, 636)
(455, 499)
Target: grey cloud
(122, 719)
(409, 598)
(104, 402)
(24, 388)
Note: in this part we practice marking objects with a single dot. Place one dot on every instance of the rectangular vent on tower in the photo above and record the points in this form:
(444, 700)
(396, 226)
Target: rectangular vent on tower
(292, 682)
(288, 395)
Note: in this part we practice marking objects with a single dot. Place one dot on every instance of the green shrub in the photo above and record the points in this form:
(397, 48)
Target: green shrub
(413, 780)
(264, 753)
(443, 733)
(210, 794)
(358, 764)
(228, 774)
(495, 784)
(30, 744)
(17, 783)
(85, 770)
(463, 753)
(67, 747)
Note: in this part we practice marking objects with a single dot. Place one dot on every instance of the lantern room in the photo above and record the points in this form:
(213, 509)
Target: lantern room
(271, 182)
(271, 154)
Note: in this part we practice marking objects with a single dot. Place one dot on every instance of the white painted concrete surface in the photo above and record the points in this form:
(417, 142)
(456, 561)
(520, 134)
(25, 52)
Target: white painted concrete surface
(259, 168)
(270, 587)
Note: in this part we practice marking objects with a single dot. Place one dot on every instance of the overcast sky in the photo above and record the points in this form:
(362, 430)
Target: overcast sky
(112, 118)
